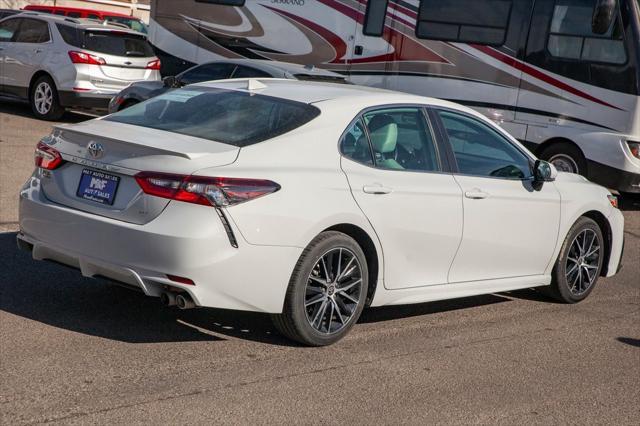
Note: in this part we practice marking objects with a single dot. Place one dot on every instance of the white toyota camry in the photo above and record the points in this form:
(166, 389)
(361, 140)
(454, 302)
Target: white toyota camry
(311, 201)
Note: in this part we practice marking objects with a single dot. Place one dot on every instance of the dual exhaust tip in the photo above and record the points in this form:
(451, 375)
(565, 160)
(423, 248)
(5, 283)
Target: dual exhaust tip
(181, 300)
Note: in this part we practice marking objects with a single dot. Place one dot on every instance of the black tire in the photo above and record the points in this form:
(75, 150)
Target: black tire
(295, 320)
(50, 111)
(559, 153)
(564, 286)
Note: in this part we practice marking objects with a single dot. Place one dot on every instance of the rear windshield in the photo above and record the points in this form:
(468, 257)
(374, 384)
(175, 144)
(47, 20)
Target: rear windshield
(118, 44)
(232, 117)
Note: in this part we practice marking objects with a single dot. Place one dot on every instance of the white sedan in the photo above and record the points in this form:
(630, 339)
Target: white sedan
(311, 201)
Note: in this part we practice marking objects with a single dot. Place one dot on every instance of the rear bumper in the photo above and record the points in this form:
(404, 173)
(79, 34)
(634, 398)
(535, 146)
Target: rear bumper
(185, 240)
(85, 100)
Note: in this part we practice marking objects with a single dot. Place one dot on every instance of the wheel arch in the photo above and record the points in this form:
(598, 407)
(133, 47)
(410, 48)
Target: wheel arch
(36, 76)
(605, 227)
(365, 242)
(544, 145)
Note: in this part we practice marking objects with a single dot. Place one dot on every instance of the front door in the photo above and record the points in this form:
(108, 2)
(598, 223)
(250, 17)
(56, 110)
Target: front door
(510, 224)
(392, 163)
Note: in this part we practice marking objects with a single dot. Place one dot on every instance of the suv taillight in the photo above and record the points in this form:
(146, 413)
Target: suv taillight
(86, 58)
(47, 157)
(208, 191)
(154, 65)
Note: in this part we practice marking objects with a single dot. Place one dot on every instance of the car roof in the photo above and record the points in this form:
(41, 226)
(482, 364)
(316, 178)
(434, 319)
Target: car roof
(86, 24)
(313, 92)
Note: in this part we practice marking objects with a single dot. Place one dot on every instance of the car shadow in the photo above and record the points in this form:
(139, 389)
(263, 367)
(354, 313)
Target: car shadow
(60, 297)
(22, 109)
(629, 341)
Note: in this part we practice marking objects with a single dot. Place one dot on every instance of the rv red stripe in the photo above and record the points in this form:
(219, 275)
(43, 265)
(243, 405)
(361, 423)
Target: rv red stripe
(538, 74)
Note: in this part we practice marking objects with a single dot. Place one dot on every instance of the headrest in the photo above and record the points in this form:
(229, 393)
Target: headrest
(384, 133)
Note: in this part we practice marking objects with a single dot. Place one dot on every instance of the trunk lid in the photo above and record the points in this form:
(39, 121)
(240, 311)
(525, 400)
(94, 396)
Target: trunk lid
(127, 150)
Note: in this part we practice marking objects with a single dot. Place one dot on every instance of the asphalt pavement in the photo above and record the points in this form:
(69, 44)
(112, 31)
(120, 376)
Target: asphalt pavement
(78, 351)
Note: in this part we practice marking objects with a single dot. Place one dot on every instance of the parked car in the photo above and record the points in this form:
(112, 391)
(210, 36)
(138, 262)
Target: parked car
(8, 12)
(219, 70)
(56, 62)
(74, 12)
(310, 201)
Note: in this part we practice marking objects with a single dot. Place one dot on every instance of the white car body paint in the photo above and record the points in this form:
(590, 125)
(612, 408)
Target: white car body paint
(431, 241)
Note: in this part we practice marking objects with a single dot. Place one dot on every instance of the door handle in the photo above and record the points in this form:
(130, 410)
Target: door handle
(37, 50)
(376, 188)
(476, 194)
(358, 50)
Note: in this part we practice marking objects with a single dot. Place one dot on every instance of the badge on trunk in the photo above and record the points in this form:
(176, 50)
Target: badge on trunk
(95, 150)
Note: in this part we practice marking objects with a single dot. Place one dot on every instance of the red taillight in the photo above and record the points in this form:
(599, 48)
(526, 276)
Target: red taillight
(154, 65)
(208, 191)
(46, 157)
(86, 58)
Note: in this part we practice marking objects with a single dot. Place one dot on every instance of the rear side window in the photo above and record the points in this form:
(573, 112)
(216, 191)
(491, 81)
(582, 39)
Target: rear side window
(248, 72)
(33, 31)
(232, 117)
(467, 21)
(70, 35)
(118, 44)
(571, 37)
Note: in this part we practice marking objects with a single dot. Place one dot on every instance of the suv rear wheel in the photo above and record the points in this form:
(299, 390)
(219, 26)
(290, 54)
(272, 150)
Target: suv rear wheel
(44, 100)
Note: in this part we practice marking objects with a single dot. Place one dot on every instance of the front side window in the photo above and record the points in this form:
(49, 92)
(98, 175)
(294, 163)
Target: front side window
(206, 72)
(228, 116)
(33, 31)
(480, 150)
(398, 139)
(571, 36)
(467, 21)
(8, 29)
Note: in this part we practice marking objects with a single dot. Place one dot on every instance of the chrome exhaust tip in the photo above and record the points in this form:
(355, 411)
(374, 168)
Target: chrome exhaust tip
(184, 301)
(168, 298)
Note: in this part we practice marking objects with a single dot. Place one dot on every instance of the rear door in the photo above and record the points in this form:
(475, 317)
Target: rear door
(126, 55)
(393, 166)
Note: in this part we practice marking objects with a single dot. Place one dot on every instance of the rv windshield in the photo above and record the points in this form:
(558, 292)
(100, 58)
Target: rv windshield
(228, 116)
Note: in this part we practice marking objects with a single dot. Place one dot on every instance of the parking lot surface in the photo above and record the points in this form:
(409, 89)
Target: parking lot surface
(77, 350)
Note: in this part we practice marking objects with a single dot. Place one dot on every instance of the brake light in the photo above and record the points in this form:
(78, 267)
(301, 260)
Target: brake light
(635, 148)
(47, 157)
(154, 65)
(208, 191)
(86, 58)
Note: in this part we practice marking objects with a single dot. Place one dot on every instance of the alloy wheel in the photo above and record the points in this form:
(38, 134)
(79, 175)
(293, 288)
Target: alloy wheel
(583, 262)
(333, 291)
(43, 98)
(564, 163)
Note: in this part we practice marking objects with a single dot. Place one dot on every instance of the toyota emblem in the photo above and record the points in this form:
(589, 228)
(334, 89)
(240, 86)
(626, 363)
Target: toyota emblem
(95, 150)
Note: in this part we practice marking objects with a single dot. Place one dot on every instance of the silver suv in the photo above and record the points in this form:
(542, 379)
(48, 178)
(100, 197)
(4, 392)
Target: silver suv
(57, 62)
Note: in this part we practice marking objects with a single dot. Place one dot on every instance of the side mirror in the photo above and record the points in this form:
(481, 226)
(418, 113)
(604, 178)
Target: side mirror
(603, 15)
(544, 172)
(171, 82)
